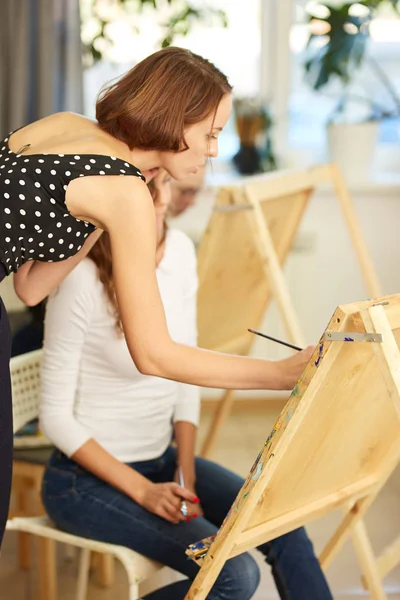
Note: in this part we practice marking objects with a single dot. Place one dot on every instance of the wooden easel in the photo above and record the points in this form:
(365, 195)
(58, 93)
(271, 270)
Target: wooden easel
(241, 255)
(335, 444)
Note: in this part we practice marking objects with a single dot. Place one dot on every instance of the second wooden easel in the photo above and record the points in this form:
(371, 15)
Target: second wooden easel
(240, 259)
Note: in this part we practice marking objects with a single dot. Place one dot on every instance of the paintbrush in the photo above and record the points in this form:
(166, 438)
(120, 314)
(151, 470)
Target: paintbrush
(269, 337)
(184, 510)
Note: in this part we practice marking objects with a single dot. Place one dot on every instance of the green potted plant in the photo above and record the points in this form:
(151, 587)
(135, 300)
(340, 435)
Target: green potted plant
(344, 30)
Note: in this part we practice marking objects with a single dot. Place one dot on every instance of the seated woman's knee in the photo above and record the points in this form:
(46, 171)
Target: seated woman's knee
(238, 580)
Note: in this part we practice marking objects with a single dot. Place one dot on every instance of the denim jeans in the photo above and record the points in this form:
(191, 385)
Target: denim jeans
(82, 504)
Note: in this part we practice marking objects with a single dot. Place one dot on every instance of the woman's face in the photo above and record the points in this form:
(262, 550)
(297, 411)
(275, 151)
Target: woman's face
(202, 141)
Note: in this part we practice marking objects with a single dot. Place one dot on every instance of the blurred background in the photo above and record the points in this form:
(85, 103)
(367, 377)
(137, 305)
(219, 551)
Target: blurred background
(313, 82)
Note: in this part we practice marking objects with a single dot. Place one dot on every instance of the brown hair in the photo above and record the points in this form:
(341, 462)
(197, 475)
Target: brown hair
(152, 104)
(101, 255)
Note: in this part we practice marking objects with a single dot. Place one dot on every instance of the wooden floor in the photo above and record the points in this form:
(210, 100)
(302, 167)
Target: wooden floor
(237, 448)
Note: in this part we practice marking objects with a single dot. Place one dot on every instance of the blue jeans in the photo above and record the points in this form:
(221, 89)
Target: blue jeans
(82, 504)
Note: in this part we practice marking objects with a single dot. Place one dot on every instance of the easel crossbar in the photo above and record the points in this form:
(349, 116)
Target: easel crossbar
(263, 533)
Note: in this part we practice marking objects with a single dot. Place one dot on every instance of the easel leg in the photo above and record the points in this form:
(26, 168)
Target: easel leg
(204, 580)
(275, 276)
(388, 560)
(222, 413)
(356, 513)
(369, 274)
(339, 537)
(367, 560)
(388, 355)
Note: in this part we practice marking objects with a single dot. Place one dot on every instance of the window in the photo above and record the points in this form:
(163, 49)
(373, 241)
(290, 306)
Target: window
(309, 110)
(235, 50)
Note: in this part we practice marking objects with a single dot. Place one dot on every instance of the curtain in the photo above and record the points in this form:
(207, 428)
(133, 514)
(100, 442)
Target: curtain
(40, 60)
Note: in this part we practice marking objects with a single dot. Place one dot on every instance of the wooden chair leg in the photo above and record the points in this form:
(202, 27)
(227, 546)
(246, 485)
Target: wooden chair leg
(47, 569)
(83, 575)
(105, 571)
(134, 591)
(24, 539)
(69, 552)
(222, 413)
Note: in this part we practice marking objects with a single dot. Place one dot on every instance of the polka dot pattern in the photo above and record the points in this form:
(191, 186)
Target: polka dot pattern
(34, 224)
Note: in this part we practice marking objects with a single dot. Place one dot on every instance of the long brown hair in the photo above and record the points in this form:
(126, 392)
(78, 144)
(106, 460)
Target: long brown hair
(101, 255)
(150, 107)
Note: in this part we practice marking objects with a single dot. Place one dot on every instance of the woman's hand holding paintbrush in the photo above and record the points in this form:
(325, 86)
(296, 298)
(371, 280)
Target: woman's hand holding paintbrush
(166, 500)
(291, 367)
(190, 510)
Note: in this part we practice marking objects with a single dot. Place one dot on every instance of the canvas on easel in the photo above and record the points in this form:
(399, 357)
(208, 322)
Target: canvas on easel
(333, 447)
(241, 255)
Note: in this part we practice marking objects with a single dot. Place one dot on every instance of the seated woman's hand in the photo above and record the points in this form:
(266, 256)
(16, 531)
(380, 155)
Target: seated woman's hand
(165, 500)
(194, 509)
(294, 366)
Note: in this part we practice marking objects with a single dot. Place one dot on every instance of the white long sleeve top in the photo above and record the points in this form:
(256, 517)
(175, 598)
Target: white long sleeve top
(91, 387)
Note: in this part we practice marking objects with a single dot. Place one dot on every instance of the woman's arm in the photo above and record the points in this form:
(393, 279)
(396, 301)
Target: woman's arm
(35, 280)
(123, 206)
(185, 439)
(187, 405)
(94, 458)
(162, 499)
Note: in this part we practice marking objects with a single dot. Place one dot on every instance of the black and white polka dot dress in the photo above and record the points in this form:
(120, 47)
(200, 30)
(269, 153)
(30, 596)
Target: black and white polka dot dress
(35, 223)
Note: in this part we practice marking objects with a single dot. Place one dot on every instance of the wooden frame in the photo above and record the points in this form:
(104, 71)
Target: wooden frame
(241, 255)
(337, 441)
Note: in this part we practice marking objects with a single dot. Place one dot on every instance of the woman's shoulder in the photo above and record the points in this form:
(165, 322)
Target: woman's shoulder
(64, 132)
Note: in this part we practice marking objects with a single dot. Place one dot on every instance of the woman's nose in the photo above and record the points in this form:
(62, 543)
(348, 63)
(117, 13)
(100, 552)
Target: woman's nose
(212, 149)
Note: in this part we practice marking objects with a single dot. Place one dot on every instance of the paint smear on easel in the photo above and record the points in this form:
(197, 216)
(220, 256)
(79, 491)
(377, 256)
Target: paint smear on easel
(269, 438)
(296, 390)
(289, 415)
(321, 351)
(258, 471)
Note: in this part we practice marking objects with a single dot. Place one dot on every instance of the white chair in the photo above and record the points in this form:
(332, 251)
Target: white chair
(25, 380)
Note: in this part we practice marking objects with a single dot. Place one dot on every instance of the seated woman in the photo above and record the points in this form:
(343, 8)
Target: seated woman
(104, 417)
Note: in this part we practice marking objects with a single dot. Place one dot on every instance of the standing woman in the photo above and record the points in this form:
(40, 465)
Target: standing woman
(65, 177)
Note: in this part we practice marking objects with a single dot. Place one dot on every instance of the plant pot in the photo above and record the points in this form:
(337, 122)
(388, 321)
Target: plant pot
(247, 160)
(352, 146)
